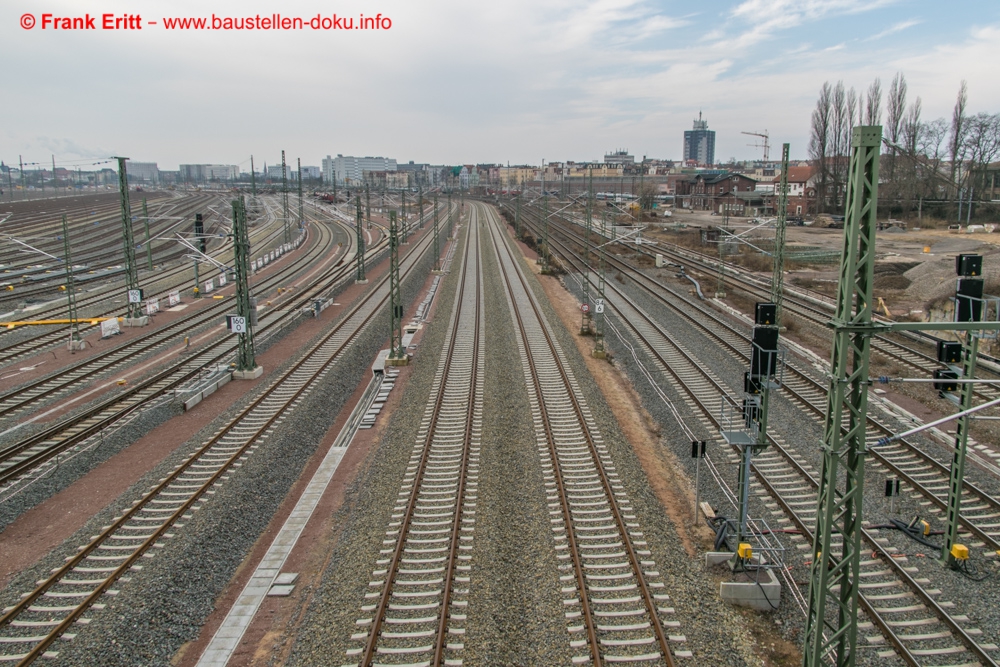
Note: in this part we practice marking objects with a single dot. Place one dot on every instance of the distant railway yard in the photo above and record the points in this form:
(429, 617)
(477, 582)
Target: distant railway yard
(509, 429)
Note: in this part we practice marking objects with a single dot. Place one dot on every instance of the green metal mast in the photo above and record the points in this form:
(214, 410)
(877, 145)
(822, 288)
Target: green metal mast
(543, 249)
(437, 240)
(149, 246)
(420, 207)
(585, 317)
(368, 205)
(253, 180)
(245, 358)
(301, 212)
(451, 220)
(517, 215)
(778, 278)
(970, 352)
(128, 242)
(599, 351)
(284, 197)
(396, 351)
(360, 258)
(402, 195)
(74, 327)
(832, 618)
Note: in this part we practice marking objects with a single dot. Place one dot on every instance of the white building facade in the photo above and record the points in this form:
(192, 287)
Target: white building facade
(349, 169)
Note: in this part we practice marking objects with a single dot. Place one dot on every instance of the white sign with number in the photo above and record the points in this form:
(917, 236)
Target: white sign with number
(152, 306)
(222, 279)
(599, 306)
(209, 286)
(135, 296)
(174, 298)
(237, 324)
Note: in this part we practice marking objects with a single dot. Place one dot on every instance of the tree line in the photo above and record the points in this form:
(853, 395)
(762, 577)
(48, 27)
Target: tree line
(927, 167)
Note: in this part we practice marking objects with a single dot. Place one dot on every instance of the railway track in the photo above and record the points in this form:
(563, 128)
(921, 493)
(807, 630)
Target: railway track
(617, 608)
(20, 463)
(58, 603)
(422, 580)
(926, 475)
(35, 393)
(893, 598)
(53, 335)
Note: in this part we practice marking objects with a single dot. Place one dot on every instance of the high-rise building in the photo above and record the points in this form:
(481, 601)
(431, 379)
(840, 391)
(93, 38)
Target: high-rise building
(699, 144)
(348, 169)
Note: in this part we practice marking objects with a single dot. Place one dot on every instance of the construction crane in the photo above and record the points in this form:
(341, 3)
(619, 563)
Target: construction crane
(766, 146)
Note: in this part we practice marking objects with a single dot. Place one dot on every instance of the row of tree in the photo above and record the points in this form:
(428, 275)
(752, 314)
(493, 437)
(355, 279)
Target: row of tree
(927, 166)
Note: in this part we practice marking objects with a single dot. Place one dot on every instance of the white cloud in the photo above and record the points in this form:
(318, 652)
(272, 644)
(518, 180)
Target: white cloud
(893, 29)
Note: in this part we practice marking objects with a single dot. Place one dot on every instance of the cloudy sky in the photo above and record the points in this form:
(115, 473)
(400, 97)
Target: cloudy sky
(460, 81)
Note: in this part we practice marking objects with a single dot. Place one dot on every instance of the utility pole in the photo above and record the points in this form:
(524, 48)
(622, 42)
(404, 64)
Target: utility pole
(301, 212)
(245, 321)
(778, 277)
(451, 220)
(543, 249)
(284, 198)
(149, 247)
(253, 180)
(368, 204)
(970, 352)
(517, 216)
(24, 182)
(599, 351)
(55, 181)
(197, 284)
(10, 186)
(133, 293)
(402, 195)
(397, 354)
(835, 580)
(360, 259)
(74, 328)
(420, 207)
(585, 306)
(437, 241)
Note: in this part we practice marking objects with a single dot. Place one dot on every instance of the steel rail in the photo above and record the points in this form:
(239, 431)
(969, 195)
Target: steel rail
(651, 609)
(968, 642)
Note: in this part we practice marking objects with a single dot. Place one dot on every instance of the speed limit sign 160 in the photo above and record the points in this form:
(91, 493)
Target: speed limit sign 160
(236, 323)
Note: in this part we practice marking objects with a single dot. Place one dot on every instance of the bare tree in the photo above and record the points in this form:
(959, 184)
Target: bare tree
(819, 141)
(982, 146)
(895, 107)
(873, 103)
(958, 130)
(910, 136)
(840, 139)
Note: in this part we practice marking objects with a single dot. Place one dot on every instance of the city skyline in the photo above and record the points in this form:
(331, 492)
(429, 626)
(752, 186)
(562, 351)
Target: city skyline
(458, 84)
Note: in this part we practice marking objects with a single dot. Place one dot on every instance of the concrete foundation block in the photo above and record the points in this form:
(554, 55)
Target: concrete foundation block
(76, 345)
(763, 594)
(397, 361)
(136, 321)
(249, 375)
